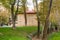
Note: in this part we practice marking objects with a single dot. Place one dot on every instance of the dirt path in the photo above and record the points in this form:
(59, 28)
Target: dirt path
(35, 38)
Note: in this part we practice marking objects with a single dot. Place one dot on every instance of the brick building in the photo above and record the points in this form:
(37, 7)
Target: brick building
(31, 19)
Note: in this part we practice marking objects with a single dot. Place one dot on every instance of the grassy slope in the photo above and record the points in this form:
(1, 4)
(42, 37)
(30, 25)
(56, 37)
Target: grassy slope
(21, 33)
(54, 36)
(17, 34)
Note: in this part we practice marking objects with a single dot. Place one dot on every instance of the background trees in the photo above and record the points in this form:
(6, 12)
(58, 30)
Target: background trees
(10, 4)
(4, 17)
(54, 13)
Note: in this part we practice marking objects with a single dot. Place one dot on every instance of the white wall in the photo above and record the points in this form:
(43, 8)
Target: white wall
(31, 20)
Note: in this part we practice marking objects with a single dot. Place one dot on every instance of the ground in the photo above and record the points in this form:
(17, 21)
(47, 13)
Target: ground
(17, 34)
(54, 36)
(21, 33)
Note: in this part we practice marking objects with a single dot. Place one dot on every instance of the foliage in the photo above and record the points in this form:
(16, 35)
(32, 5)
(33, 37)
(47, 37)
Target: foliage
(55, 14)
(4, 16)
(5, 3)
(43, 8)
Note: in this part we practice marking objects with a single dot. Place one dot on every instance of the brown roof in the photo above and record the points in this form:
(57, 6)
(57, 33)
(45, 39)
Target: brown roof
(30, 11)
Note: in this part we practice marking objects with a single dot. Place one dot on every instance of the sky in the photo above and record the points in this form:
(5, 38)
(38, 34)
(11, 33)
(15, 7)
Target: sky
(30, 4)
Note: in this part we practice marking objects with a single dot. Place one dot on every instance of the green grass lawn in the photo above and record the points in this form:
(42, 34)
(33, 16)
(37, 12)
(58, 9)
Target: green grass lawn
(19, 33)
(54, 36)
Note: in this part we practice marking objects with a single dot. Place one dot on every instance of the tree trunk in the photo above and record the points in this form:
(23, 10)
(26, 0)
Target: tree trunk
(25, 15)
(45, 29)
(47, 23)
(25, 18)
(38, 31)
(12, 13)
(14, 24)
(38, 20)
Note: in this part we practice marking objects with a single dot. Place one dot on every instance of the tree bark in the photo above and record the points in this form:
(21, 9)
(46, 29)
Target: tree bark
(14, 24)
(38, 20)
(47, 23)
(14, 15)
(25, 15)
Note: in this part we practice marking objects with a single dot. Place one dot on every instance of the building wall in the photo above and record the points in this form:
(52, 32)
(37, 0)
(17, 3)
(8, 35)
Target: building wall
(31, 20)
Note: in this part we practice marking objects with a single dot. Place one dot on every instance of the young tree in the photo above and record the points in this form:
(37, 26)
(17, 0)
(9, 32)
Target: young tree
(47, 22)
(24, 7)
(38, 19)
(14, 14)
(10, 4)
